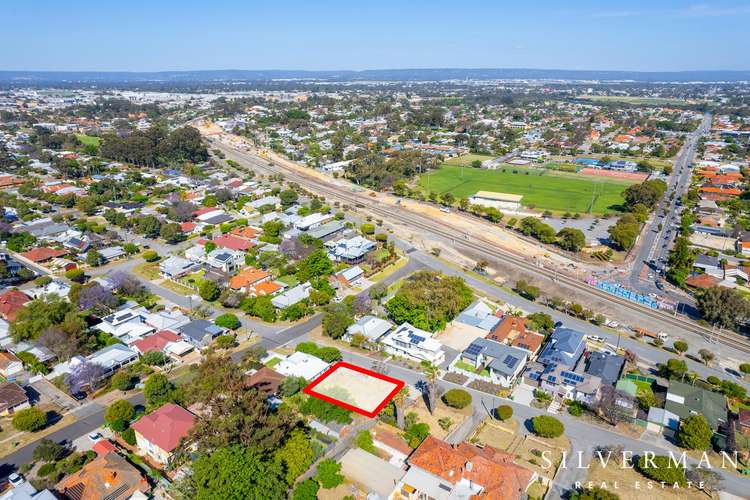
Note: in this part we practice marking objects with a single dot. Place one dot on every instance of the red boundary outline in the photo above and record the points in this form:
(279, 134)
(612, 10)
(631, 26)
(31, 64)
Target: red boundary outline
(310, 389)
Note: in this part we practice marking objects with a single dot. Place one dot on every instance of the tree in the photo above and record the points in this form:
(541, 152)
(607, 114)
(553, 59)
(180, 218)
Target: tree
(158, 390)
(674, 369)
(172, 233)
(76, 275)
(336, 321)
(723, 306)
(84, 375)
(288, 197)
(228, 320)
(662, 468)
(547, 427)
(367, 229)
(624, 232)
(295, 456)
(155, 358)
(416, 433)
(94, 258)
(119, 413)
(237, 472)
(96, 298)
(315, 265)
(745, 368)
(209, 291)
(150, 256)
(611, 405)
(292, 385)
(306, 490)
(29, 420)
(504, 412)
(329, 474)
(398, 405)
(48, 451)
(571, 239)
(457, 398)
(541, 322)
(694, 433)
(431, 373)
(647, 193)
(429, 300)
(122, 380)
(706, 355)
(680, 346)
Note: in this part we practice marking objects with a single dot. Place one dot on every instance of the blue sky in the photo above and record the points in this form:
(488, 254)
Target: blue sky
(136, 35)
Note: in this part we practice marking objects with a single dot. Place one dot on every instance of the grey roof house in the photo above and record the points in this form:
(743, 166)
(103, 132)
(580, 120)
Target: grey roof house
(605, 366)
(200, 332)
(565, 347)
(479, 315)
(491, 361)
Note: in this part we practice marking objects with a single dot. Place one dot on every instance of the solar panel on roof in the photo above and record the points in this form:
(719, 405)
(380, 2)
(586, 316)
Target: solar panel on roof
(510, 361)
(416, 338)
(474, 349)
(552, 378)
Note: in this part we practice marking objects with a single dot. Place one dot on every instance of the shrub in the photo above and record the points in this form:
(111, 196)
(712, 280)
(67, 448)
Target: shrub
(76, 275)
(225, 341)
(663, 469)
(504, 412)
(595, 493)
(209, 291)
(457, 398)
(48, 451)
(155, 358)
(416, 433)
(713, 380)
(47, 469)
(364, 441)
(150, 256)
(546, 426)
(575, 408)
(29, 420)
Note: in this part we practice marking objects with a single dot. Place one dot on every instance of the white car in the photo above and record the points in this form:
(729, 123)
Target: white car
(596, 338)
(94, 437)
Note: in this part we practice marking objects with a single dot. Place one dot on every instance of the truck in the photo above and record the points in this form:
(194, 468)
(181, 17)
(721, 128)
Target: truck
(642, 332)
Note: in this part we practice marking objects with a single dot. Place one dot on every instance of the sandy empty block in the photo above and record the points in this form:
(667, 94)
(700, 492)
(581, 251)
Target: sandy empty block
(354, 388)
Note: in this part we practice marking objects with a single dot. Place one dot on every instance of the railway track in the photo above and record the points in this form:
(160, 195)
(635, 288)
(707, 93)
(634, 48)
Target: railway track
(485, 247)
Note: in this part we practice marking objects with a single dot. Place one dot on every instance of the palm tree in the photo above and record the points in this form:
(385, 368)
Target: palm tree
(398, 406)
(432, 374)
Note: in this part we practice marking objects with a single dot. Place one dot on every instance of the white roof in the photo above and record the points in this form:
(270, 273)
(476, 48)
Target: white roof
(178, 348)
(300, 364)
(491, 195)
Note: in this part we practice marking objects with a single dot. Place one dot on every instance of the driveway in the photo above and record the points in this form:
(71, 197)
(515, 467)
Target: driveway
(523, 394)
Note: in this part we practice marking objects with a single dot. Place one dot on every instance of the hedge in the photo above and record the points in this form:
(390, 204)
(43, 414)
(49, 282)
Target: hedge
(457, 398)
(548, 427)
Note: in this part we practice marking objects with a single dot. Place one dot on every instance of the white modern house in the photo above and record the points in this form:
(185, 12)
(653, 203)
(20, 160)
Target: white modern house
(411, 342)
(300, 364)
(491, 361)
(292, 296)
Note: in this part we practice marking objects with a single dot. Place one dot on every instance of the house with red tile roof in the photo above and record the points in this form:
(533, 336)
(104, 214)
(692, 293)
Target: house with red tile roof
(248, 278)
(11, 301)
(43, 254)
(512, 331)
(188, 227)
(233, 242)
(265, 288)
(109, 476)
(246, 232)
(156, 342)
(104, 446)
(440, 470)
(702, 281)
(159, 433)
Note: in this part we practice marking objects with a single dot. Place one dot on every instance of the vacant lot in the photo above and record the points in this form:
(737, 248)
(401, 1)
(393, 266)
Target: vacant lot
(357, 389)
(541, 189)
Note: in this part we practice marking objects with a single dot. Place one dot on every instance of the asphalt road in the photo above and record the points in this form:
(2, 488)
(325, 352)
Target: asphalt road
(656, 243)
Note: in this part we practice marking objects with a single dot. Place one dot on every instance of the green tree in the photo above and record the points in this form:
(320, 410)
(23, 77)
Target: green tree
(723, 306)
(624, 232)
(315, 265)
(94, 258)
(48, 451)
(76, 275)
(336, 321)
(209, 291)
(228, 320)
(680, 346)
(367, 229)
(122, 380)
(295, 456)
(329, 475)
(237, 472)
(306, 490)
(288, 197)
(158, 390)
(29, 420)
(121, 411)
(595, 493)
(662, 468)
(150, 256)
(504, 412)
(172, 233)
(694, 433)
(571, 239)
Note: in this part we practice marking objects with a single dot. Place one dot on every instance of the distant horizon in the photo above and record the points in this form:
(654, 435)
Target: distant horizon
(172, 35)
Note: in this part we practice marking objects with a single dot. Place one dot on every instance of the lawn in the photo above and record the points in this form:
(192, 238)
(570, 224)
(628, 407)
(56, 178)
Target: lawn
(467, 367)
(631, 485)
(87, 140)
(541, 189)
(148, 270)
